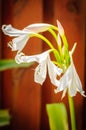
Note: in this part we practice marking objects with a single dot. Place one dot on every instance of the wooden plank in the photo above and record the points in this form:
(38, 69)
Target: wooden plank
(70, 15)
(6, 76)
(26, 93)
(26, 99)
(84, 100)
(0, 58)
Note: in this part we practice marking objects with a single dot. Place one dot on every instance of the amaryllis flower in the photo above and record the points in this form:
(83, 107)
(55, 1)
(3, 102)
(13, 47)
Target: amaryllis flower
(44, 64)
(70, 81)
(22, 36)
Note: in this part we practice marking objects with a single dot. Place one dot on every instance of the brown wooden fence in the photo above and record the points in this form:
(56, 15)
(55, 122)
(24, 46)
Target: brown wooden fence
(25, 99)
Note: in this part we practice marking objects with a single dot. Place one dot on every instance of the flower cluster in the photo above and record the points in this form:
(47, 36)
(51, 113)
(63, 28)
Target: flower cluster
(63, 67)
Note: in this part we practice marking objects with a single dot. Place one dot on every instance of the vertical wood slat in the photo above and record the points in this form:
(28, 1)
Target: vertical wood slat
(5, 84)
(84, 28)
(0, 55)
(48, 15)
(69, 13)
(21, 94)
(26, 93)
(6, 76)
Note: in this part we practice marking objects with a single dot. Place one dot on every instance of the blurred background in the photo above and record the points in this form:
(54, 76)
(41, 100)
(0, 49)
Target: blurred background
(25, 99)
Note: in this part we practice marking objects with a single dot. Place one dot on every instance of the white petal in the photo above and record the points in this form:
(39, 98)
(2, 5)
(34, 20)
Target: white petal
(60, 28)
(76, 81)
(39, 27)
(19, 43)
(37, 58)
(70, 80)
(10, 31)
(40, 73)
(43, 56)
(64, 93)
(18, 58)
(59, 40)
(72, 90)
(53, 71)
(65, 80)
(21, 58)
(33, 28)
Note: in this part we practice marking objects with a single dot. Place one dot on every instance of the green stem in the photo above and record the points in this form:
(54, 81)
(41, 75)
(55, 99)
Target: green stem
(56, 53)
(59, 46)
(66, 52)
(54, 27)
(72, 112)
(53, 33)
(44, 39)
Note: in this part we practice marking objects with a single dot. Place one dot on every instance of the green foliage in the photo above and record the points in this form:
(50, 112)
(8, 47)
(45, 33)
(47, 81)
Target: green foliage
(57, 116)
(4, 117)
(4, 65)
(10, 63)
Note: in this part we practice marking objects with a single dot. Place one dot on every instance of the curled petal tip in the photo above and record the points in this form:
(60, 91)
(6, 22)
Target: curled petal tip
(73, 49)
(18, 58)
(3, 27)
(60, 28)
(83, 93)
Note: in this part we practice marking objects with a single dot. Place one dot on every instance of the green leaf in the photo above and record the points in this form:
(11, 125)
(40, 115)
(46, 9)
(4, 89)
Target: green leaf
(10, 63)
(57, 116)
(4, 117)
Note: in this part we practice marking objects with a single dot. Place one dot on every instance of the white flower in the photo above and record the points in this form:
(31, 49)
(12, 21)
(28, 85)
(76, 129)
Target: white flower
(70, 81)
(22, 36)
(45, 64)
(38, 27)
